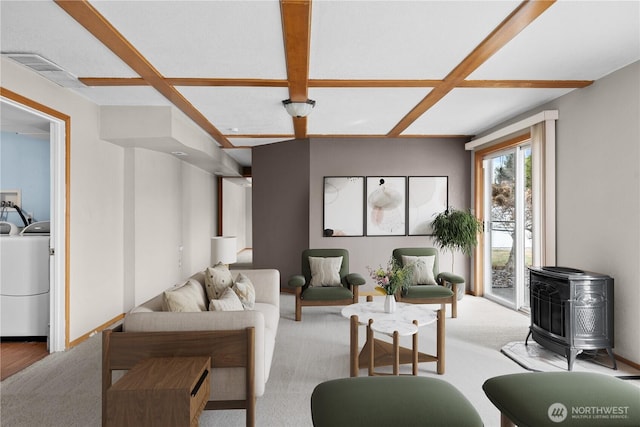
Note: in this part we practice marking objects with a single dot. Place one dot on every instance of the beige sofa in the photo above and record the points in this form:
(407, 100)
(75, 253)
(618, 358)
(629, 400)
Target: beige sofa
(220, 334)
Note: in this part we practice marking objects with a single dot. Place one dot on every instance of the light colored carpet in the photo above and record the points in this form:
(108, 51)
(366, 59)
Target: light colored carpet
(64, 388)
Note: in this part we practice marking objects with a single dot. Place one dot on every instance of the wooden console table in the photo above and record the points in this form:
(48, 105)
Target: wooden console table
(169, 391)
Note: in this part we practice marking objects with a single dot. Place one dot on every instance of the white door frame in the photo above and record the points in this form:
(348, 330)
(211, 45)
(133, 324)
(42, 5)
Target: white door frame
(57, 267)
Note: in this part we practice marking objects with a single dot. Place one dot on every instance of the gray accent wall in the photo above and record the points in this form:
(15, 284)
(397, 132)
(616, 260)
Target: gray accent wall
(288, 195)
(386, 157)
(280, 205)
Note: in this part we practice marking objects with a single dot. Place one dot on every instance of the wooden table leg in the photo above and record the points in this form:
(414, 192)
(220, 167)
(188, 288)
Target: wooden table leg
(353, 347)
(396, 353)
(371, 347)
(415, 350)
(440, 342)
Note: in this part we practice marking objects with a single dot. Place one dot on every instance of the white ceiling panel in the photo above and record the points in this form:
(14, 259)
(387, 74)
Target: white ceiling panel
(123, 95)
(43, 28)
(349, 40)
(367, 111)
(16, 120)
(220, 39)
(253, 142)
(471, 111)
(398, 39)
(249, 110)
(240, 155)
(572, 40)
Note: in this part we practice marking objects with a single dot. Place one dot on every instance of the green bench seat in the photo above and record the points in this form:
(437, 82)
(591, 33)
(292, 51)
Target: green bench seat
(391, 401)
(566, 399)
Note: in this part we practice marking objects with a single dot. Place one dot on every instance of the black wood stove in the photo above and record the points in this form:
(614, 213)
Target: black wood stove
(571, 311)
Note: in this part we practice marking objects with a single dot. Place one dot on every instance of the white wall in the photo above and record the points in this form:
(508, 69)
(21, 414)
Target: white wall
(199, 217)
(598, 190)
(131, 210)
(173, 217)
(96, 192)
(158, 222)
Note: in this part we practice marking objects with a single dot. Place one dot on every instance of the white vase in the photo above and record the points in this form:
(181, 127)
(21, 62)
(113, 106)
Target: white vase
(390, 304)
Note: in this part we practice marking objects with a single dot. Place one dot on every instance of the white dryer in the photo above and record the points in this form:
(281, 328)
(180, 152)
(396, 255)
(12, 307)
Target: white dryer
(24, 286)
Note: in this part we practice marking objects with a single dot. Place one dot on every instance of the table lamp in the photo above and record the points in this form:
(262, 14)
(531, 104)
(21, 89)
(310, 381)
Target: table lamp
(224, 249)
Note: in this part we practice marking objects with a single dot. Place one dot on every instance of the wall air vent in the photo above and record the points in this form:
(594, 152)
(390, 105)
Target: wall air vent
(46, 68)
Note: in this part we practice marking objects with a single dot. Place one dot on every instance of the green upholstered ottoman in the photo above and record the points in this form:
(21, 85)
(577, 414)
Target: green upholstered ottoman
(537, 399)
(390, 401)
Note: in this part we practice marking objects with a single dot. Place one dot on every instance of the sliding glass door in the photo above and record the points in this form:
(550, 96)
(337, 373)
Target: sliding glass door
(508, 233)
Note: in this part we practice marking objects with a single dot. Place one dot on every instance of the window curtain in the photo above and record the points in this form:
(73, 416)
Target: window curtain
(541, 129)
(543, 174)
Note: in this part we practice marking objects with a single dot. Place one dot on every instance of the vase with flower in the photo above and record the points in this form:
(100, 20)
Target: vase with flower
(390, 280)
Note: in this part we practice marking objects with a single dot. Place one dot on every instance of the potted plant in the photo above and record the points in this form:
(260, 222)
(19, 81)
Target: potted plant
(458, 230)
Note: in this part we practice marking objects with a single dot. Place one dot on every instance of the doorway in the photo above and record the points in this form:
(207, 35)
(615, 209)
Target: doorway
(509, 234)
(59, 140)
(235, 215)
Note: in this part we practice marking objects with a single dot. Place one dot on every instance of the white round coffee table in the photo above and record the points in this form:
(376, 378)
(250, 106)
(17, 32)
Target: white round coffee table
(405, 321)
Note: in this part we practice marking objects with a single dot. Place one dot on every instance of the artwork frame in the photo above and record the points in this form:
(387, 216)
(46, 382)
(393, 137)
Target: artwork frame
(343, 206)
(427, 197)
(386, 206)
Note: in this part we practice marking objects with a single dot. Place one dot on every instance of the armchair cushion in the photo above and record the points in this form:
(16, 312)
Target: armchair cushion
(326, 293)
(325, 271)
(422, 269)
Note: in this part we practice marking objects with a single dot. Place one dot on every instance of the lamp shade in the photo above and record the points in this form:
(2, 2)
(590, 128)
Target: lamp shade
(298, 109)
(224, 249)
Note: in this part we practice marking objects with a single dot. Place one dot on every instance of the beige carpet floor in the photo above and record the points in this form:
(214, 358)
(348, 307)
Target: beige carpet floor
(64, 388)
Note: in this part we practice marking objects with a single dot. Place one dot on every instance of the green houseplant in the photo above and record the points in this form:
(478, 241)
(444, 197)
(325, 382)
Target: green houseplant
(456, 230)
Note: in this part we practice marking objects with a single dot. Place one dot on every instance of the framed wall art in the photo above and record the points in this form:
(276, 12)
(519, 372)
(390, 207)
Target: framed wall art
(428, 196)
(386, 206)
(343, 206)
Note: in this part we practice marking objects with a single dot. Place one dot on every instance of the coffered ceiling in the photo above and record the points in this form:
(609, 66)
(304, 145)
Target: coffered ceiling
(375, 68)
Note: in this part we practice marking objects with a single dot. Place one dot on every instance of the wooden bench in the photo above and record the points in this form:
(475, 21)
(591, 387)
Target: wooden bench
(227, 349)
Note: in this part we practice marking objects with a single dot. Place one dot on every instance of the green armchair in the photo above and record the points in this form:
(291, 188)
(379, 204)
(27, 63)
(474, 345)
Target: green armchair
(325, 280)
(439, 288)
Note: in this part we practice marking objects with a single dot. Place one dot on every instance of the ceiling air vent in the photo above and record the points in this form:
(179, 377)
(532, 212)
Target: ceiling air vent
(46, 68)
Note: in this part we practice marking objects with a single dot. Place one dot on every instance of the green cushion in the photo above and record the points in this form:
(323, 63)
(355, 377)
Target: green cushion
(451, 278)
(328, 293)
(297, 281)
(390, 401)
(355, 279)
(428, 291)
(584, 398)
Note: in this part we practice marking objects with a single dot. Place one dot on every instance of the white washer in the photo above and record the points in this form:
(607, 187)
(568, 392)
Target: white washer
(24, 286)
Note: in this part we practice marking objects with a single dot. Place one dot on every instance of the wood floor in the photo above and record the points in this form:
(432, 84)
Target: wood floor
(15, 356)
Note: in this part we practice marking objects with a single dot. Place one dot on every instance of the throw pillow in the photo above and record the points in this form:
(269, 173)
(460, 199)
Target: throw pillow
(422, 269)
(325, 271)
(245, 291)
(228, 301)
(217, 279)
(188, 297)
